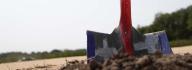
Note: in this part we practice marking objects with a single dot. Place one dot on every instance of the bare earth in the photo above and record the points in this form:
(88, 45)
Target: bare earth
(182, 50)
(52, 64)
(55, 64)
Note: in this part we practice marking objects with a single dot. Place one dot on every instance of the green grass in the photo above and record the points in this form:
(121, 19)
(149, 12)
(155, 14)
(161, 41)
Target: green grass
(179, 43)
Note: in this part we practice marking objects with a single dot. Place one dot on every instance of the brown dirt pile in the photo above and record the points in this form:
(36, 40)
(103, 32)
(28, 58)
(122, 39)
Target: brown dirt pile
(146, 62)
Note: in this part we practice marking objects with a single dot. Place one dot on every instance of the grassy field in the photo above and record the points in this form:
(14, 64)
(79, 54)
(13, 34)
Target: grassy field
(55, 64)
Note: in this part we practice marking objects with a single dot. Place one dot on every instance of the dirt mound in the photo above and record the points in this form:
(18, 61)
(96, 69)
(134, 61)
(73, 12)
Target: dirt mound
(146, 62)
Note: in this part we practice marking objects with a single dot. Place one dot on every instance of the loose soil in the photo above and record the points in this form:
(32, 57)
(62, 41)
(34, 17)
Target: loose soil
(144, 62)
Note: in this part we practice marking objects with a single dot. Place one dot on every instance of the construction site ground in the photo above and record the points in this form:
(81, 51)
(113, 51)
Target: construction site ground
(55, 64)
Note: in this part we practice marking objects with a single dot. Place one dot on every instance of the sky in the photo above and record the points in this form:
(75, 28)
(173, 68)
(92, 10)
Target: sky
(44, 25)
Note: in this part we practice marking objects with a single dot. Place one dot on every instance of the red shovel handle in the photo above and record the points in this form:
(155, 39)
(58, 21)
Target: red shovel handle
(126, 26)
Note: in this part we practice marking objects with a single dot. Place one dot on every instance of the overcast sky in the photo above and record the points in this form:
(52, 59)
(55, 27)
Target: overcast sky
(43, 25)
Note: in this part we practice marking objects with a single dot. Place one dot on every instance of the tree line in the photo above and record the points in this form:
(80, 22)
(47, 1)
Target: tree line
(178, 25)
(20, 56)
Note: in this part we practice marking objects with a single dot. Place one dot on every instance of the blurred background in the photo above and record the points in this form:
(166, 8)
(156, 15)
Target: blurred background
(40, 29)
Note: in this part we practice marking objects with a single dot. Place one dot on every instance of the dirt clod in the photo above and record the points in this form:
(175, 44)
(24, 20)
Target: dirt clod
(146, 62)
